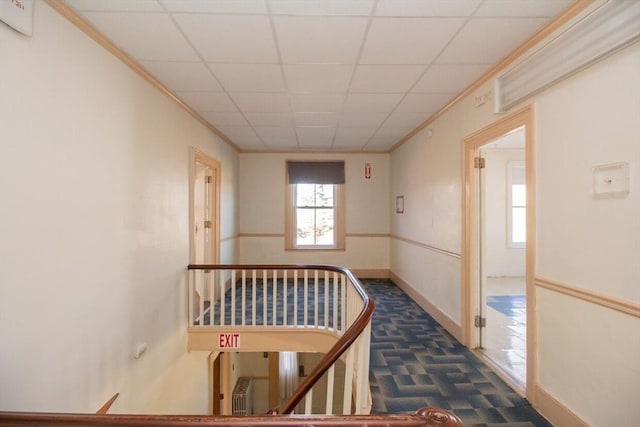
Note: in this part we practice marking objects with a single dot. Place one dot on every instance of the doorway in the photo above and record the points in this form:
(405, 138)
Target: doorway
(215, 392)
(501, 286)
(205, 207)
(204, 223)
(498, 248)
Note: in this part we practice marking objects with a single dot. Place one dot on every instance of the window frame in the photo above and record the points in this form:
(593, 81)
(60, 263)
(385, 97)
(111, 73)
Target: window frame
(291, 225)
(511, 165)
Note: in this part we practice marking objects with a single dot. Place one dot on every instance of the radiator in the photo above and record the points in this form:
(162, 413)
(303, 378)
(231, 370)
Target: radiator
(243, 397)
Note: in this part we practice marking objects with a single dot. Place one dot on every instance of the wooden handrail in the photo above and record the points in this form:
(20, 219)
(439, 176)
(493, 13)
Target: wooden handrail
(105, 408)
(343, 343)
(425, 417)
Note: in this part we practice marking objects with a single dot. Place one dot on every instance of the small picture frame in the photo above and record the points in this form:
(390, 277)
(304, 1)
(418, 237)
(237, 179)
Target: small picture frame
(399, 204)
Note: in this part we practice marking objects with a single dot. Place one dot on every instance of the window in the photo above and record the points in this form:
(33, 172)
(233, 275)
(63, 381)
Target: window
(315, 214)
(517, 202)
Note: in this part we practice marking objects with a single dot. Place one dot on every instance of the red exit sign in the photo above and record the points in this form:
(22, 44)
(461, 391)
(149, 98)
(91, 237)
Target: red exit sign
(229, 340)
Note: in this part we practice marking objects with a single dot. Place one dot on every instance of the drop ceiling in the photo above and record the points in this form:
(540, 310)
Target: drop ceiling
(321, 75)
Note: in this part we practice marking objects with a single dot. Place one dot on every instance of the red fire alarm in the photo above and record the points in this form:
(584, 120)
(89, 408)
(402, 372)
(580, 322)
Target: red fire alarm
(367, 171)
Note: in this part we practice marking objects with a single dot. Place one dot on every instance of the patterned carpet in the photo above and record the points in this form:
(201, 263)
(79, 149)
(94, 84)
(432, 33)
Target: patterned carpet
(415, 362)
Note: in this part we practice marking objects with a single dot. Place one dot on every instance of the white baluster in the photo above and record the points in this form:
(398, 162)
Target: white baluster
(306, 298)
(348, 382)
(201, 308)
(253, 297)
(275, 298)
(244, 296)
(264, 297)
(335, 301)
(222, 298)
(330, 385)
(295, 297)
(315, 299)
(233, 298)
(308, 400)
(192, 291)
(284, 297)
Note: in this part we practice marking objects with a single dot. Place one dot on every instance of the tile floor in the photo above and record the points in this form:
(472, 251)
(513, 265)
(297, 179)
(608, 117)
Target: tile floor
(504, 338)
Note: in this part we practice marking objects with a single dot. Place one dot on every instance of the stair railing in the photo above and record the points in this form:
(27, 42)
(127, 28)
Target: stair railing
(424, 417)
(293, 298)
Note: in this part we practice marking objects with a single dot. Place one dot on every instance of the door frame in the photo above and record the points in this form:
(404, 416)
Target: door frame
(197, 156)
(469, 261)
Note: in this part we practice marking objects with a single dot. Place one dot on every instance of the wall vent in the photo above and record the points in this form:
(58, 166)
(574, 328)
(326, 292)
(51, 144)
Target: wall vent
(243, 397)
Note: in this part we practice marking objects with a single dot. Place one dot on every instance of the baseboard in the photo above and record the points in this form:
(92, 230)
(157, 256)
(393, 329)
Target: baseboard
(448, 323)
(554, 411)
(371, 274)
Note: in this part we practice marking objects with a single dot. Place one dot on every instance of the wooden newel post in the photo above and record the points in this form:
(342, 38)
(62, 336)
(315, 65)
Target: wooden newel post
(438, 417)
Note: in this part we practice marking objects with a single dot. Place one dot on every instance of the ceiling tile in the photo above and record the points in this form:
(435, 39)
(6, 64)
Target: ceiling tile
(249, 77)
(230, 38)
(207, 101)
(405, 119)
(380, 143)
(281, 143)
(115, 5)
(215, 6)
(164, 43)
(385, 78)
(426, 8)
(316, 119)
(317, 102)
(249, 143)
(371, 102)
(364, 120)
(361, 134)
(270, 119)
(423, 103)
(483, 41)
(307, 39)
(318, 78)
(224, 118)
(393, 132)
(348, 143)
(408, 40)
(275, 131)
(322, 7)
(237, 131)
(315, 136)
(262, 102)
(533, 8)
(178, 76)
(449, 78)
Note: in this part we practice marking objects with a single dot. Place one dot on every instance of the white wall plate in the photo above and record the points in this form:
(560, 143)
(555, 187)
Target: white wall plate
(611, 180)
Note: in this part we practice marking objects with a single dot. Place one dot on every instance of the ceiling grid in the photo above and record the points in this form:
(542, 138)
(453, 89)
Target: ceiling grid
(317, 75)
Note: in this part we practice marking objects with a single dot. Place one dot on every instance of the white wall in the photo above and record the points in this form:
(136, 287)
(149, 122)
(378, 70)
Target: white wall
(499, 259)
(262, 211)
(94, 228)
(588, 355)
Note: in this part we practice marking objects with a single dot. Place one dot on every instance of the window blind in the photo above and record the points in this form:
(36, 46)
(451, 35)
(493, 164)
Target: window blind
(315, 172)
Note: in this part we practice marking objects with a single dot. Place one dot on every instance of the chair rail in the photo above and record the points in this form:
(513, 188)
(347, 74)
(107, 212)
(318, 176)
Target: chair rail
(344, 342)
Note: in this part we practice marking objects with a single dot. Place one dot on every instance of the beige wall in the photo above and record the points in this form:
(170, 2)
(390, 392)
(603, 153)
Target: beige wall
(587, 354)
(94, 228)
(262, 212)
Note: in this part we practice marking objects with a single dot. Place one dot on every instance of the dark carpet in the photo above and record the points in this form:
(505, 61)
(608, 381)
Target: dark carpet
(415, 363)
